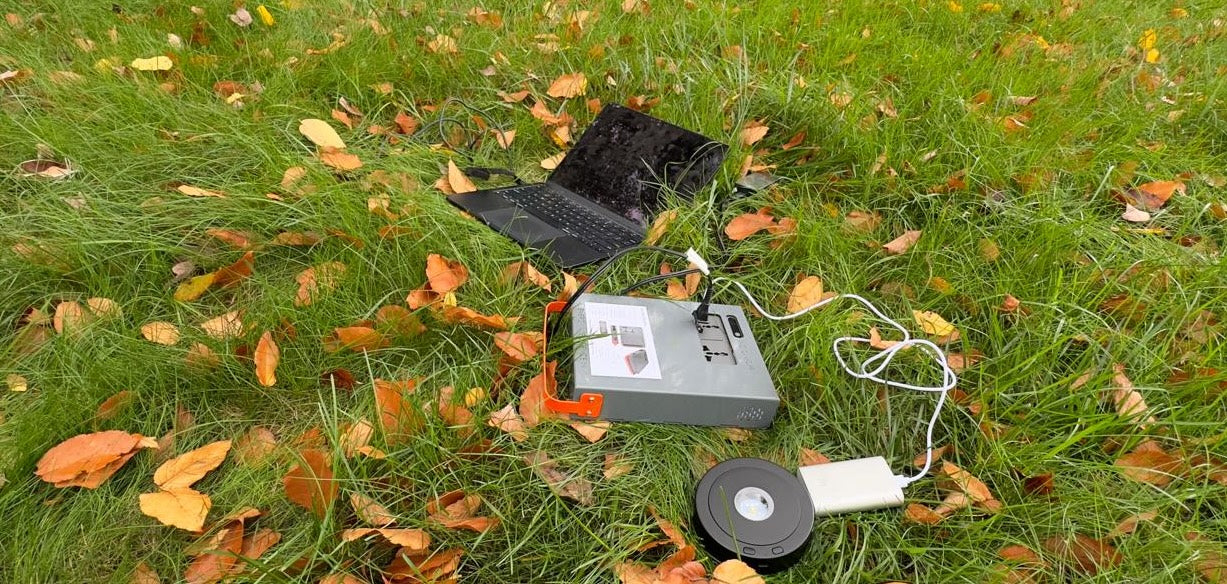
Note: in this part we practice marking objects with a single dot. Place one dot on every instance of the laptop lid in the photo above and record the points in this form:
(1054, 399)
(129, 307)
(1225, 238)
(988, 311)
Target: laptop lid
(624, 157)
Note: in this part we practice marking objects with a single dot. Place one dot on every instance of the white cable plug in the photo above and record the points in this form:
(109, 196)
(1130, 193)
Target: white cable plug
(871, 369)
(698, 261)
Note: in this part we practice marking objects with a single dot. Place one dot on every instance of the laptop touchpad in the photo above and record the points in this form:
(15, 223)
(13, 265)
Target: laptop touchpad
(520, 226)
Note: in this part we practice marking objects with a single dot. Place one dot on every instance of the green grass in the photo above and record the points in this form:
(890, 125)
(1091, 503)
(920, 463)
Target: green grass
(1042, 195)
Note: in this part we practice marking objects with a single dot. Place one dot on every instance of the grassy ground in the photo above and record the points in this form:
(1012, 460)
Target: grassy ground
(1104, 119)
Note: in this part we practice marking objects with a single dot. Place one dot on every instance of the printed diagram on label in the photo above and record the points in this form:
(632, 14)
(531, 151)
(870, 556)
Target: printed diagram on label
(623, 345)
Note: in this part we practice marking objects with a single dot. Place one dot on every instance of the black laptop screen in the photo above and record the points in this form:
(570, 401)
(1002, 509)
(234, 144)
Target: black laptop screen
(624, 156)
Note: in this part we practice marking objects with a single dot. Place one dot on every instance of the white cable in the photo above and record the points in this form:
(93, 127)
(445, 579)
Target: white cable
(879, 362)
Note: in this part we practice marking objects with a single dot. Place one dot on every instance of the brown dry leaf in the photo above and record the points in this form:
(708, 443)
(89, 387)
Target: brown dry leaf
(143, 574)
(255, 446)
(356, 439)
(810, 457)
(660, 225)
(411, 541)
(616, 466)
(256, 544)
(237, 239)
(902, 243)
(532, 401)
(236, 272)
(735, 572)
(752, 132)
(370, 512)
(453, 505)
(966, 483)
(444, 275)
(443, 44)
(806, 293)
(198, 192)
(160, 332)
(310, 483)
(462, 315)
(291, 176)
(339, 159)
(219, 557)
(317, 279)
(748, 224)
(1021, 554)
(267, 356)
(568, 86)
(513, 97)
(397, 415)
(321, 133)
(1087, 554)
(508, 420)
(71, 317)
(1130, 524)
(591, 431)
(1128, 401)
(1149, 463)
(917, 513)
(201, 356)
(184, 470)
(794, 141)
(1153, 195)
(226, 326)
(181, 507)
(528, 273)
(406, 123)
(577, 489)
(88, 460)
(343, 118)
(474, 524)
(340, 578)
(504, 137)
(458, 182)
(519, 347)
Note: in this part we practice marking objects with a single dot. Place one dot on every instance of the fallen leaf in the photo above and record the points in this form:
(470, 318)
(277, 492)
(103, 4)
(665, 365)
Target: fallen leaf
(933, 324)
(241, 17)
(810, 457)
(70, 317)
(752, 132)
(16, 383)
(508, 420)
(917, 513)
(337, 578)
(444, 275)
(255, 446)
(532, 401)
(398, 320)
(224, 327)
(577, 489)
(179, 507)
(591, 431)
(568, 86)
(1149, 463)
(552, 162)
(370, 512)
(527, 272)
(267, 356)
(184, 470)
(339, 159)
(198, 192)
(1129, 401)
(659, 226)
(616, 466)
(901, 244)
(1130, 524)
(1153, 195)
(88, 460)
(794, 141)
(457, 180)
(966, 483)
(406, 123)
(310, 483)
(411, 541)
(735, 572)
(219, 555)
(748, 224)
(1040, 484)
(317, 279)
(112, 406)
(463, 315)
(162, 333)
(355, 338)
(1134, 215)
(158, 63)
(807, 293)
(443, 44)
(321, 133)
(518, 346)
(143, 574)
(1087, 554)
(238, 239)
(200, 356)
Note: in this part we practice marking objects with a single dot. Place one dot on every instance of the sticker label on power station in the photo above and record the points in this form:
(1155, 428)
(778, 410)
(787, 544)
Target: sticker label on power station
(623, 345)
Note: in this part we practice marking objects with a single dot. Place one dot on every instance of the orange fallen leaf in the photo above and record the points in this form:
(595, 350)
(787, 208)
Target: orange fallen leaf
(568, 86)
(219, 555)
(70, 316)
(398, 417)
(88, 460)
(355, 338)
(143, 574)
(411, 541)
(315, 280)
(616, 466)
(1153, 195)
(310, 483)
(1087, 554)
(339, 159)
(267, 356)
(526, 272)
(444, 275)
(453, 412)
(552, 162)
(660, 225)
(184, 470)
(508, 420)
(591, 431)
(457, 180)
(748, 224)
(902, 243)
(917, 513)
(810, 457)
(238, 239)
(370, 512)
(518, 346)
(180, 507)
(1130, 524)
(1129, 401)
(112, 406)
(532, 401)
(463, 315)
(1149, 463)
(198, 192)
(735, 572)
(398, 321)
(752, 132)
(966, 483)
(321, 134)
(504, 137)
(162, 333)
(808, 292)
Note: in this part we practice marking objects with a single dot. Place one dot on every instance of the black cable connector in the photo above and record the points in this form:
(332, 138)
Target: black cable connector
(702, 311)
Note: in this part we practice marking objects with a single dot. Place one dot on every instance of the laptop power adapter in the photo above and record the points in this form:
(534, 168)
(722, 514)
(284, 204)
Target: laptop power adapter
(647, 360)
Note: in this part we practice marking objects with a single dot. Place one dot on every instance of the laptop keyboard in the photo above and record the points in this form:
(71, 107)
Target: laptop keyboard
(593, 230)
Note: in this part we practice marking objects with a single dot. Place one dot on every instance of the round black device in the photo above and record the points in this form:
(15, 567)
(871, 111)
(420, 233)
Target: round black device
(755, 510)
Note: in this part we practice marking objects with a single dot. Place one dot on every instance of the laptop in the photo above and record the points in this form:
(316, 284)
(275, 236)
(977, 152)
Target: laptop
(603, 194)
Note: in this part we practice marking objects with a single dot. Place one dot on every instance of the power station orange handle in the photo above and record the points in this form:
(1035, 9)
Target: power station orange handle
(589, 404)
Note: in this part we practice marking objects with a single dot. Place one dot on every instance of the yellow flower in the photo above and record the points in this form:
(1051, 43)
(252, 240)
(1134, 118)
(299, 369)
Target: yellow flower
(954, 6)
(265, 16)
(1148, 39)
(1152, 55)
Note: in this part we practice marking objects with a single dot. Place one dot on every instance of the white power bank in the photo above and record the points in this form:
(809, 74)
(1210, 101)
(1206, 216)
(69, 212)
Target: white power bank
(851, 485)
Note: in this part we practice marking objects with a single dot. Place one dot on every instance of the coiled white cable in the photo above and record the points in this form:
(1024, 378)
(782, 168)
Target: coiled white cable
(872, 368)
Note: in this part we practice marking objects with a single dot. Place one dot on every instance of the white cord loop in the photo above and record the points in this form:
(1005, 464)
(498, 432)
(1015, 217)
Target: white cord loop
(871, 369)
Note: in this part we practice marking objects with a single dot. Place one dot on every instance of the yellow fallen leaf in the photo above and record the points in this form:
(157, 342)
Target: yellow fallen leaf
(16, 382)
(158, 63)
(162, 333)
(265, 16)
(192, 191)
(806, 293)
(932, 323)
(195, 287)
(552, 162)
(340, 159)
(320, 133)
(753, 132)
(735, 572)
(186, 469)
(457, 179)
(183, 508)
(569, 85)
(902, 243)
